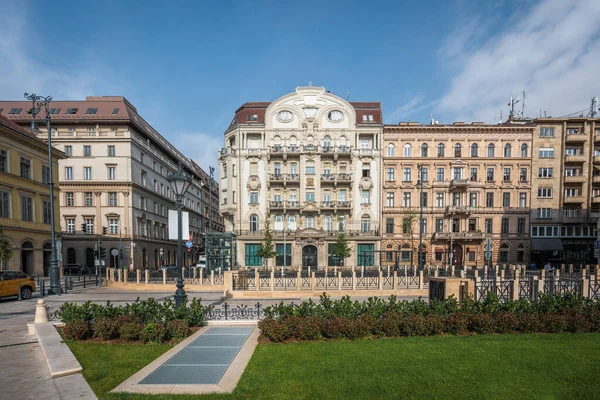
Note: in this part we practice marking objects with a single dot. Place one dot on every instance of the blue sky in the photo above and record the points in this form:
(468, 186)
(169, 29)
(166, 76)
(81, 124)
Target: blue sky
(187, 65)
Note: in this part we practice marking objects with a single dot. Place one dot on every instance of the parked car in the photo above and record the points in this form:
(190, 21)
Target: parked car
(9, 284)
(75, 269)
(168, 268)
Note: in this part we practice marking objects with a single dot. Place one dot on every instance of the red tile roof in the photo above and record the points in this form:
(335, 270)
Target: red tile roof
(16, 127)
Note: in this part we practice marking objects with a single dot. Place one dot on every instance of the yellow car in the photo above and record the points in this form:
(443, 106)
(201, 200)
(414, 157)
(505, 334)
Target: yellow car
(9, 284)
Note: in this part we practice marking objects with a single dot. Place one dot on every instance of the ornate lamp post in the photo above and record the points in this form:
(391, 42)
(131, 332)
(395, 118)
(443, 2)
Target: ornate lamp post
(180, 183)
(37, 102)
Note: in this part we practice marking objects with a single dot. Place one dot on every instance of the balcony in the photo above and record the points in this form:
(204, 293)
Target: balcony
(225, 151)
(277, 177)
(459, 183)
(344, 205)
(579, 158)
(578, 137)
(276, 205)
(292, 204)
(459, 235)
(575, 179)
(285, 151)
(335, 151)
(328, 178)
(573, 199)
(458, 210)
(310, 148)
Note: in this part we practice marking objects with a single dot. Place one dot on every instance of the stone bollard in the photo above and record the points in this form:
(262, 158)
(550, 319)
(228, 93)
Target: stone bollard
(147, 276)
(119, 274)
(394, 279)
(339, 275)
(362, 271)
(138, 276)
(421, 280)
(212, 277)
(353, 279)
(312, 281)
(257, 275)
(41, 312)
(108, 271)
(272, 281)
(299, 278)
(195, 273)
(380, 280)
(164, 276)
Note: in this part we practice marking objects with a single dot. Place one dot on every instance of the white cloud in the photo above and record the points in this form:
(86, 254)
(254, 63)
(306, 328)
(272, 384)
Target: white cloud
(552, 52)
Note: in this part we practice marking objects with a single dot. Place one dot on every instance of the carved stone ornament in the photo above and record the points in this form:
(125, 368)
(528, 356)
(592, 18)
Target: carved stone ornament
(253, 183)
(310, 182)
(365, 184)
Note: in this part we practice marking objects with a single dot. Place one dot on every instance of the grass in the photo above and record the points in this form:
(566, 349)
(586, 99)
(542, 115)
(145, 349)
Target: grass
(561, 366)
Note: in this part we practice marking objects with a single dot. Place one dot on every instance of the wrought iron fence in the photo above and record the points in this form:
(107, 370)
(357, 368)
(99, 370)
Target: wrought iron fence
(227, 312)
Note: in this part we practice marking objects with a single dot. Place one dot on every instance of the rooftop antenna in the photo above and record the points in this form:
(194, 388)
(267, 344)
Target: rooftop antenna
(594, 108)
(511, 104)
(523, 106)
(348, 96)
(432, 119)
(500, 115)
(309, 83)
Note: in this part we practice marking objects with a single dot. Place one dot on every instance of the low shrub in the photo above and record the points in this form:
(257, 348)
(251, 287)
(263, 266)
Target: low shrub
(355, 328)
(457, 323)
(436, 324)
(130, 331)
(308, 328)
(276, 331)
(178, 329)
(506, 322)
(332, 328)
(387, 325)
(481, 323)
(552, 323)
(78, 330)
(528, 323)
(105, 329)
(414, 325)
(577, 323)
(154, 332)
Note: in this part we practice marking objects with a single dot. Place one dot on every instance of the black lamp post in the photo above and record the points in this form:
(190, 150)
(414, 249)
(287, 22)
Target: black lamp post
(37, 102)
(420, 254)
(180, 183)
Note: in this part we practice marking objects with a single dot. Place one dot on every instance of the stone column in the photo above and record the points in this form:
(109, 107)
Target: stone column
(120, 274)
(394, 280)
(98, 222)
(212, 277)
(353, 280)
(312, 281)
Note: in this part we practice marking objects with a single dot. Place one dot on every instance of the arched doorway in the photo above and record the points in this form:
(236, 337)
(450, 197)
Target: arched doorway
(457, 255)
(27, 258)
(47, 254)
(89, 258)
(144, 261)
(309, 256)
(71, 258)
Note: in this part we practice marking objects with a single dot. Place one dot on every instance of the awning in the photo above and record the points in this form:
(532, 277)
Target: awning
(546, 244)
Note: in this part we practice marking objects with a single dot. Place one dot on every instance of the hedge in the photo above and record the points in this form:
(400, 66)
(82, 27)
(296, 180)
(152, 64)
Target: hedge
(149, 320)
(344, 318)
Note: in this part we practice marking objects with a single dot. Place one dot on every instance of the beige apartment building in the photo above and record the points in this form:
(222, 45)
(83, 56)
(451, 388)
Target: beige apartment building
(306, 162)
(476, 184)
(565, 189)
(113, 183)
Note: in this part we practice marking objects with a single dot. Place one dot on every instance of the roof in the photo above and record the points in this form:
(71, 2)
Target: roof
(5, 122)
(259, 109)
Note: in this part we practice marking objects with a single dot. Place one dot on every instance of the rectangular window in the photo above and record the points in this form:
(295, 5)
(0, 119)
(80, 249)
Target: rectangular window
(70, 225)
(252, 257)
(87, 173)
(253, 197)
(458, 173)
(87, 151)
(544, 213)
(89, 202)
(25, 168)
(365, 225)
(546, 172)
(3, 161)
(15, 111)
(424, 174)
(523, 175)
(505, 199)
(489, 199)
(68, 173)
(143, 203)
(522, 199)
(473, 177)
(45, 174)
(389, 225)
(489, 226)
(91, 111)
(112, 173)
(571, 192)
(456, 200)
(391, 174)
(310, 170)
(4, 204)
(406, 199)
(424, 199)
(26, 208)
(440, 175)
(389, 199)
(111, 151)
(505, 225)
(472, 199)
(439, 225)
(69, 151)
(310, 197)
(365, 255)
(423, 225)
(112, 199)
(69, 199)
(490, 175)
(143, 177)
(91, 131)
(46, 212)
(331, 259)
(544, 193)
(506, 174)
(365, 197)
(407, 174)
(472, 224)
(280, 254)
(521, 225)
(439, 200)
(113, 226)
(546, 132)
(310, 221)
(547, 152)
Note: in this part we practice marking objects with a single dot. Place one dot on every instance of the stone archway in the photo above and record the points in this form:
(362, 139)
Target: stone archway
(309, 256)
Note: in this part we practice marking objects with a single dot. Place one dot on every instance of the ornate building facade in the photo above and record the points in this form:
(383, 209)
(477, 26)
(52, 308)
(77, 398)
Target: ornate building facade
(470, 182)
(114, 186)
(309, 163)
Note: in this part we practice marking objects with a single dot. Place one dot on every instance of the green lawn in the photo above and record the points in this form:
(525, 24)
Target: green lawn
(564, 366)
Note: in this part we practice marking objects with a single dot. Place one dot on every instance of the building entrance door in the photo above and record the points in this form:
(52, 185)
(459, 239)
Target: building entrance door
(457, 255)
(309, 256)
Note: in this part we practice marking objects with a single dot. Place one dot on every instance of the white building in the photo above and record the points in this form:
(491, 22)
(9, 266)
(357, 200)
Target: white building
(306, 162)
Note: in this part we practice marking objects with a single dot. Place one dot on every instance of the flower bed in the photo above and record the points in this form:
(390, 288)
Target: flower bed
(344, 318)
(147, 321)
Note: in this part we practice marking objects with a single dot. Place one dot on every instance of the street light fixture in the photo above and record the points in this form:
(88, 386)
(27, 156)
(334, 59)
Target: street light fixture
(180, 183)
(37, 102)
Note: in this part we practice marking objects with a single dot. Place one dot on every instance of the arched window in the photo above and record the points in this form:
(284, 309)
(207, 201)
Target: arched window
(365, 223)
(389, 255)
(524, 150)
(254, 223)
(457, 150)
(491, 150)
(278, 225)
(341, 224)
(327, 142)
(391, 150)
(474, 150)
(407, 150)
(424, 150)
(507, 150)
(440, 152)
(328, 223)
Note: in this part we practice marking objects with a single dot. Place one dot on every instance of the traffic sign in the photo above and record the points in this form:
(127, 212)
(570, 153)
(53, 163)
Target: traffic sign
(114, 252)
(189, 244)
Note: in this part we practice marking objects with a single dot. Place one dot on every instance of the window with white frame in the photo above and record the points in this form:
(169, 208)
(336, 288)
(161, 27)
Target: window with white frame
(25, 166)
(111, 151)
(310, 221)
(389, 199)
(391, 150)
(406, 199)
(3, 161)
(113, 226)
(112, 173)
(544, 213)
(253, 197)
(544, 193)
(88, 199)
(365, 223)
(440, 175)
(546, 152)
(407, 150)
(545, 172)
(26, 208)
(5, 204)
(328, 225)
(291, 222)
(112, 199)
(522, 199)
(407, 175)
(365, 197)
(391, 174)
(439, 199)
(87, 173)
(571, 192)
(89, 225)
(70, 225)
(546, 132)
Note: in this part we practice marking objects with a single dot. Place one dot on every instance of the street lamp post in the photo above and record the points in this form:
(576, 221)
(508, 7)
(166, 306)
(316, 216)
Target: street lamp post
(45, 102)
(180, 183)
(420, 255)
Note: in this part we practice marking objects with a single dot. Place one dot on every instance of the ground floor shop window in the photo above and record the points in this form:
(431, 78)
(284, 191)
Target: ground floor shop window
(365, 255)
(252, 259)
(288, 255)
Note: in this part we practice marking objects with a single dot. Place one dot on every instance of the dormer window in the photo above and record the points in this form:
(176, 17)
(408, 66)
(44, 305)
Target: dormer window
(15, 111)
(54, 111)
(72, 111)
(91, 111)
(252, 117)
(367, 118)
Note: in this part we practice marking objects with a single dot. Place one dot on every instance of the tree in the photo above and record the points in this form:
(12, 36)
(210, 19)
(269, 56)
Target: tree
(6, 249)
(409, 222)
(341, 248)
(265, 250)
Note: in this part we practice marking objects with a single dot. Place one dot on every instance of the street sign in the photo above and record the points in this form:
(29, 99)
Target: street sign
(189, 244)
(114, 252)
(488, 245)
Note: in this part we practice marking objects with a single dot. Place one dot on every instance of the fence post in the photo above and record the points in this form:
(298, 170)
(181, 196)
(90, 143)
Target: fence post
(477, 284)
(339, 275)
(421, 283)
(138, 276)
(119, 274)
(585, 287)
(353, 280)
(164, 276)
(212, 277)
(147, 276)
(380, 275)
(299, 280)
(257, 274)
(312, 281)
(272, 281)
(107, 271)
(514, 293)
(394, 279)
(195, 273)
